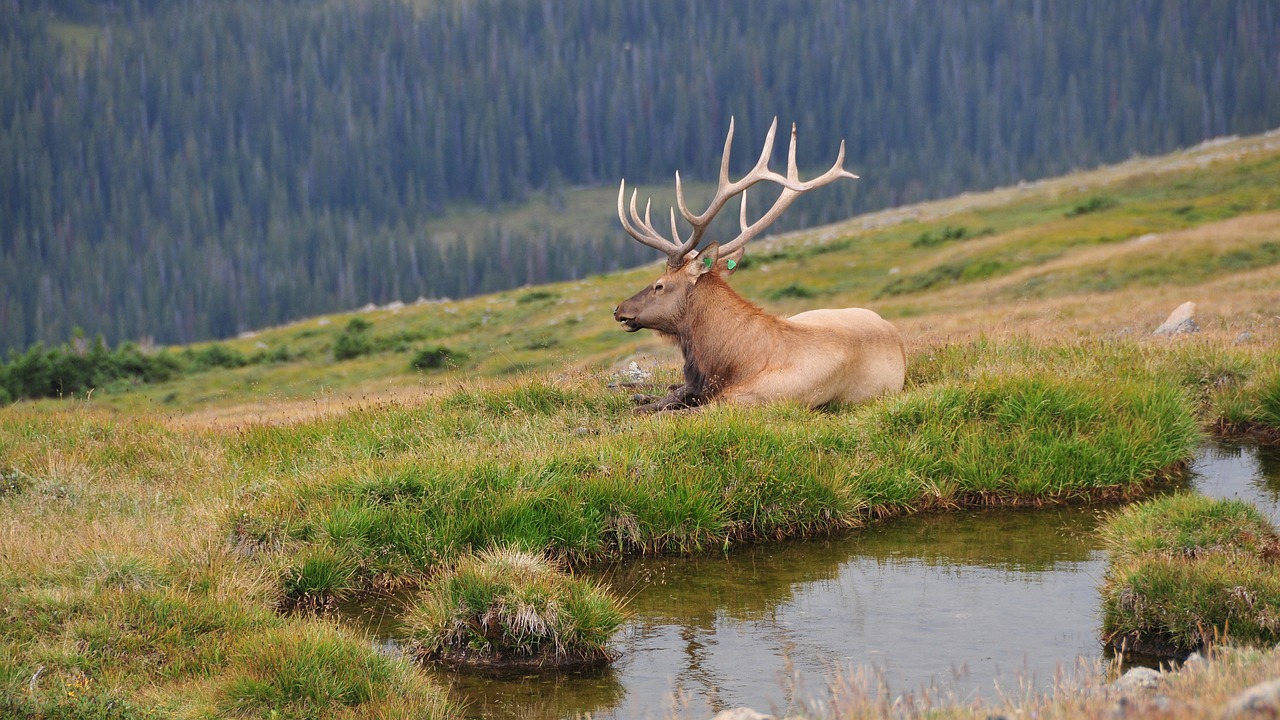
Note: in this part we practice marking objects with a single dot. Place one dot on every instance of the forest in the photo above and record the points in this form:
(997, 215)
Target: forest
(178, 171)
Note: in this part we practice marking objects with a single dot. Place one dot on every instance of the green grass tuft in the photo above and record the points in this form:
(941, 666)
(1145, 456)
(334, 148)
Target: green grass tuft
(507, 607)
(319, 672)
(1189, 571)
(319, 578)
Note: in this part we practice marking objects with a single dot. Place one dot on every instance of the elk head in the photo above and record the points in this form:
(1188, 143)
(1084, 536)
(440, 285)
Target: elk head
(662, 304)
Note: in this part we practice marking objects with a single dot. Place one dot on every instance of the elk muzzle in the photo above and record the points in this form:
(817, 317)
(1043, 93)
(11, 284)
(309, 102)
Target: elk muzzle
(628, 319)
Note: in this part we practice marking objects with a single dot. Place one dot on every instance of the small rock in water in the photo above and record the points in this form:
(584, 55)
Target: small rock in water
(1259, 701)
(1181, 320)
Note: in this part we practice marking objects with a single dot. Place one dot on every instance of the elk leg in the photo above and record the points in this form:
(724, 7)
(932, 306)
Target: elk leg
(680, 397)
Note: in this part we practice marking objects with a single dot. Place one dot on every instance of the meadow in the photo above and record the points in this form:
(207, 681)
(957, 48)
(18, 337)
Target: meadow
(171, 548)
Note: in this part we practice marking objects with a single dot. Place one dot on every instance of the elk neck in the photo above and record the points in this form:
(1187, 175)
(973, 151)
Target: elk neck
(724, 336)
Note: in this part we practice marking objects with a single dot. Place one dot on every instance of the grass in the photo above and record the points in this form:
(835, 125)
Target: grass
(398, 492)
(166, 542)
(505, 608)
(1193, 225)
(1198, 690)
(1189, 571)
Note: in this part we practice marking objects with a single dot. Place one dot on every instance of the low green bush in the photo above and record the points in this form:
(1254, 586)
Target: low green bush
(1094, 204)
(79, 366)
(214, 356)
(435, 358)
(354, 341)
(793, 291)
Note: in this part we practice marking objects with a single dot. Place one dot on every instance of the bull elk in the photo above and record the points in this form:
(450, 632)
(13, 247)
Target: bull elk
(733, 350)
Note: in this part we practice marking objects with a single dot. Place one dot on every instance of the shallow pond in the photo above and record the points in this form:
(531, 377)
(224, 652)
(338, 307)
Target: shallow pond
(962, 605)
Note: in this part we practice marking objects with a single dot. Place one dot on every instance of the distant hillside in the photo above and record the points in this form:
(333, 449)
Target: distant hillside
(1090, 257)
(186, 171)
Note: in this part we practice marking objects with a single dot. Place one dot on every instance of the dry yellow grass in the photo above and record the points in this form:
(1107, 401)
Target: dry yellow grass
(1226, 306)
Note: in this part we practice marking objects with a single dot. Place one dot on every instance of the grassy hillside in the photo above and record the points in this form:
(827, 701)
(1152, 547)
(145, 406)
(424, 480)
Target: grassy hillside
(1096, 254)
(155, 536)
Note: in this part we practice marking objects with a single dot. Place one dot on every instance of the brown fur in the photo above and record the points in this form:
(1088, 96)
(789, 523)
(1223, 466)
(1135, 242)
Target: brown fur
(736, 352)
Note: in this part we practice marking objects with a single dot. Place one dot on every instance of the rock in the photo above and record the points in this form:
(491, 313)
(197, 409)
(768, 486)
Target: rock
(1195, 661)
(742, 713)
(1259, 701)
(635, 373)
(1139, 678)
(1180, 321)
(1244, 337)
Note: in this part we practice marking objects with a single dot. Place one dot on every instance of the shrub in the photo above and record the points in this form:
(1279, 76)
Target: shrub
(215, 356)
(77, 366)
(794, 290)
(435, 358)
(1097, 203)
(534, 296)
(945, 235)
(943, 274)
(354, 341)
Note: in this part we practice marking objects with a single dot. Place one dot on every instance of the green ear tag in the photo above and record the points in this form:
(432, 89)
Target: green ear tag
(707, 262)
(731, 264)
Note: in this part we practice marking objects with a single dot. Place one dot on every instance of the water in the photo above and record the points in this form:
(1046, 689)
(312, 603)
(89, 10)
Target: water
(1246, 472)
(959, 605)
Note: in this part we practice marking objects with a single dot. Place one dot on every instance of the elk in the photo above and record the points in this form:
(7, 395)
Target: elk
(734, 351)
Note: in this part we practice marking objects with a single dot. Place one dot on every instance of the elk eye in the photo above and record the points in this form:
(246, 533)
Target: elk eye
(657, 287)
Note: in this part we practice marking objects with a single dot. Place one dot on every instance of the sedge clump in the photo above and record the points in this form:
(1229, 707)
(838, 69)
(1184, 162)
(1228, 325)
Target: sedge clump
(507, 609)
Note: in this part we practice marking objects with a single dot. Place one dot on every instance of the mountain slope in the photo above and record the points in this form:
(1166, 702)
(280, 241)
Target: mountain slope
(1092, 254)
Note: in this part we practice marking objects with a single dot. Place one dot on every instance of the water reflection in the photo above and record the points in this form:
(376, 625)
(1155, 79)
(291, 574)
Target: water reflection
(939, 601)
(967, 603)
(1244, 471)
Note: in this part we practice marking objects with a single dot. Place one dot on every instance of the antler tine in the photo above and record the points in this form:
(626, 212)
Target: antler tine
(790, 191)
(645, 232)
(726, 189)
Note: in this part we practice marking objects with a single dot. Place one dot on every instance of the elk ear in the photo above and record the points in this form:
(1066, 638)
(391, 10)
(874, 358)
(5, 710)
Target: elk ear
(728, 264)
(705, 261)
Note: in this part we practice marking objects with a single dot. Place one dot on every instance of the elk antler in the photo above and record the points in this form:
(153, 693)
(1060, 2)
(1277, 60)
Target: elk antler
(642, 228)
